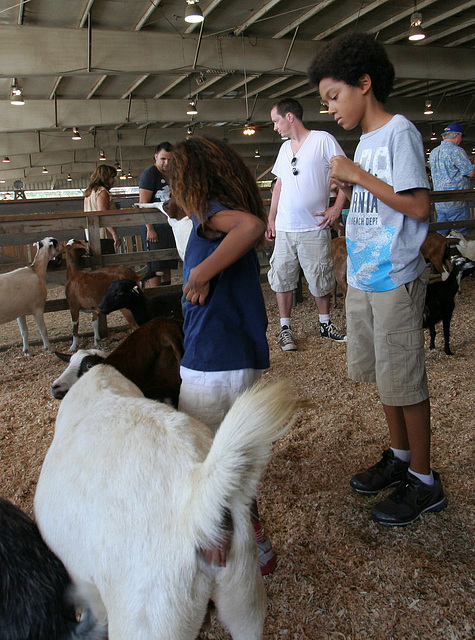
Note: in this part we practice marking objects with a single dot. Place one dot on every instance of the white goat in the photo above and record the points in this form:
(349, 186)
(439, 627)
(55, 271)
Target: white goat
(37, 599)
(23, 292)
(181, 227)
(132, 490)
(465, 247)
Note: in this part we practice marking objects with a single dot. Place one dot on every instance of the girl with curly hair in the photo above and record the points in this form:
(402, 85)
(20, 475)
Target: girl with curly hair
(225, 318)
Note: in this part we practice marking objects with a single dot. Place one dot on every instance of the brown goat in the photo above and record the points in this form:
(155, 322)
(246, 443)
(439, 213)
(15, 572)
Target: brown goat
(149, 357)
(339, 256)
(85, 289)
(436, 248)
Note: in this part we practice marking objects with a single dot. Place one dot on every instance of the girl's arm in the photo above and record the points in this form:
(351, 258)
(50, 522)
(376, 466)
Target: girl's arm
(414, 203)
(243, 231)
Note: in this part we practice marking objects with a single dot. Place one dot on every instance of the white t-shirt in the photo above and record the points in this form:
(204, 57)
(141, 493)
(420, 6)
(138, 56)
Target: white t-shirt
(307, 193)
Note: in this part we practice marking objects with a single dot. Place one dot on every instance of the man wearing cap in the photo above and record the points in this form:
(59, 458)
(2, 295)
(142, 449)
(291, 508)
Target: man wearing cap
(451, 168)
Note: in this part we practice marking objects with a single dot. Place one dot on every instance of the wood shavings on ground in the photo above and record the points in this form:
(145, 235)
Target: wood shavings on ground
(340, 576)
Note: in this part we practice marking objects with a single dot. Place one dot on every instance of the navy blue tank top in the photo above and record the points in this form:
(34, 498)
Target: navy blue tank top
(229, 331)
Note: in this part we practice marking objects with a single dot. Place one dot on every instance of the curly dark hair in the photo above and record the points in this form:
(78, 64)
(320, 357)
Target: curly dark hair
(350, 56)
(203, 169)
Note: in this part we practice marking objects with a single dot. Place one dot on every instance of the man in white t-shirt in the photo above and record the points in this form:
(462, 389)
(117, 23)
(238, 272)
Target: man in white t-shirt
(300, 218)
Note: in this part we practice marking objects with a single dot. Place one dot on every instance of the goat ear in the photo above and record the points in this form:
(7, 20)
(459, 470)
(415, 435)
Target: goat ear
(65, 357)
(38, 245)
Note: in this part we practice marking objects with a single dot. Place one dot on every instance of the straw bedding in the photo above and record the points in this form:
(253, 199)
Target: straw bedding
(340, 576)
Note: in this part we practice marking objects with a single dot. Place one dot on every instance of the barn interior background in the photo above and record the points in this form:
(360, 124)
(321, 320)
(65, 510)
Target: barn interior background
(119, 76)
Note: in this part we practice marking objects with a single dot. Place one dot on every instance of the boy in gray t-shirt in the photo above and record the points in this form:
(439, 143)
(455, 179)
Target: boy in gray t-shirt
(386, 227)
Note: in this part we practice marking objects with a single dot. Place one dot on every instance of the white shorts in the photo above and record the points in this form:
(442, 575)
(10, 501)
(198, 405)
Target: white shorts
(208, 395)
(310, 250)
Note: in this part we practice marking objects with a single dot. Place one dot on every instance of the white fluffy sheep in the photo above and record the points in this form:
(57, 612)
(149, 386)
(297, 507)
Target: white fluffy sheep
(130, 492)
(23, 292)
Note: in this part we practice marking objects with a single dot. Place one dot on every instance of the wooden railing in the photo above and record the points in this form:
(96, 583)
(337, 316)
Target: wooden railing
(29, 228)
(24, 229)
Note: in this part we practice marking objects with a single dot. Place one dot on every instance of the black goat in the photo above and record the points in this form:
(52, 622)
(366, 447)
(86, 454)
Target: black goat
(440, 300)
(35, 588)
(125, 294)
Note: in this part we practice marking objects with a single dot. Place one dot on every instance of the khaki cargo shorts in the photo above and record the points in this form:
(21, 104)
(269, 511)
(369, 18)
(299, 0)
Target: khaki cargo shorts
(386, 341)
(310, 250)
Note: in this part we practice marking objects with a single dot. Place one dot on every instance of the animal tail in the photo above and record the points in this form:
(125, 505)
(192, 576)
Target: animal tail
(239, 453)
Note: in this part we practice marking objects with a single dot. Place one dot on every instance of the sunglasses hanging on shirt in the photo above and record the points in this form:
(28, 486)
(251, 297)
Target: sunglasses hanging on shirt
(293, 162)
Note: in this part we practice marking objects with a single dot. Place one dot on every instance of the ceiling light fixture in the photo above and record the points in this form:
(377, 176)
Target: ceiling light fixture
(428, 111)
(45, 170)
(118, 167)
(415, 30)
(189, 131)
(257, 154)
(102, 155)
(69, 179)
(76, 134)
(323, 108)
(249, 130)
(192, 110)
(433, 136)
(193, 13)
(123, 177)
(129, 176)
(6, 159)
(16, 96)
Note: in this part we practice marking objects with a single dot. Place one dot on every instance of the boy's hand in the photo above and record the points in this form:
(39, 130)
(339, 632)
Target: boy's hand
(195, 290)
(344, 171)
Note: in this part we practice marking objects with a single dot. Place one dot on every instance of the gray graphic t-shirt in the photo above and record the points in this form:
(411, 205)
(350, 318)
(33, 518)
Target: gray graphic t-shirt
(384, 244)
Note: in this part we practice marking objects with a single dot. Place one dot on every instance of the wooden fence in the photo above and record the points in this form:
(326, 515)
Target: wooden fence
(24, 229)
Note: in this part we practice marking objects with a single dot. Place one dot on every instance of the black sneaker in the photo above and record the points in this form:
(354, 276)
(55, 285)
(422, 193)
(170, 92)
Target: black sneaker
(410, 500)
(328, 330)
(388, 472)
(286, 339)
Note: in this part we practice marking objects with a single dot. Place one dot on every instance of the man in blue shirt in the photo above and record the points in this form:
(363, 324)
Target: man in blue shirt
(451, 168)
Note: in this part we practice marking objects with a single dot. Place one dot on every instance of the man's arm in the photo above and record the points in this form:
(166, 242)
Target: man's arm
(145, 195)
(413, 203)
(270, 233)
